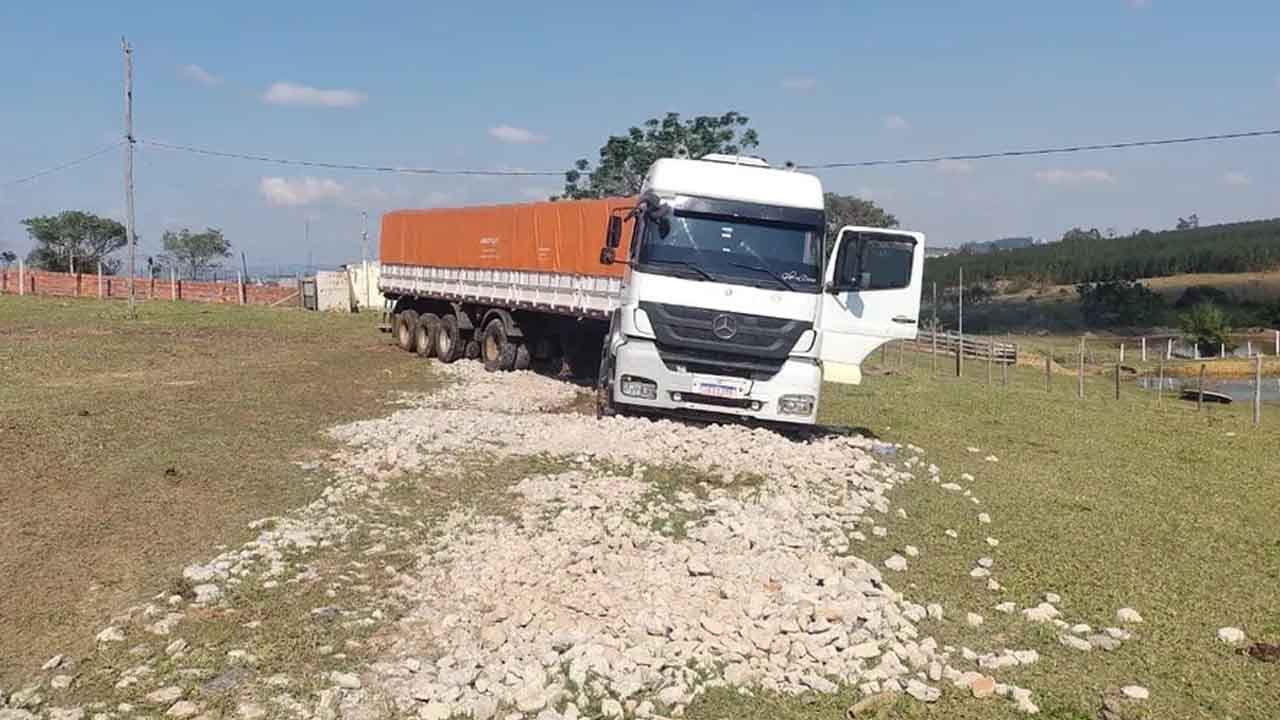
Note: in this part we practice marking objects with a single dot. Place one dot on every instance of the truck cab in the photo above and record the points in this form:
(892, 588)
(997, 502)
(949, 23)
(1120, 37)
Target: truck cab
(732, 302)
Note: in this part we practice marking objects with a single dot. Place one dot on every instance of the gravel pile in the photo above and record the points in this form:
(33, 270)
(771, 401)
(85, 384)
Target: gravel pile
(584, 606)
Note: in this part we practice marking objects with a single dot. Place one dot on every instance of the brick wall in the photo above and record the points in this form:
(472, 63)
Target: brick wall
(39, 282)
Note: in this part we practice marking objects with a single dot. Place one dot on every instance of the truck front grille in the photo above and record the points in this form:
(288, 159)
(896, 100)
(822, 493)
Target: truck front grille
(687, 336)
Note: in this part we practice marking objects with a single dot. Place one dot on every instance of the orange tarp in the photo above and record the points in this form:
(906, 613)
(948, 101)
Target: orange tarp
(560, 237)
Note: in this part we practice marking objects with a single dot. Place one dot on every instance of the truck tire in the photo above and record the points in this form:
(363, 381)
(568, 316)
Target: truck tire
(449, 345)
(523, 359)
(407, 329)
(425, 340)
(493, 341)
(507, 357)
(473, 350)
(604, 387)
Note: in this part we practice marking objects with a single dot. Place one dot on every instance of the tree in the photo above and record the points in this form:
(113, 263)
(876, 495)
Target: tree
(1119, 303)
(8, 257)
(196, 252)
(849, 210)
(625, 159)
(1206, 326)
(86, 237)
(1191, 222)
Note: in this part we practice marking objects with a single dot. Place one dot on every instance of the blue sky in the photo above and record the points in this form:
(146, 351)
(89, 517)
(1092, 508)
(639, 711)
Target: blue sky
(536, 85)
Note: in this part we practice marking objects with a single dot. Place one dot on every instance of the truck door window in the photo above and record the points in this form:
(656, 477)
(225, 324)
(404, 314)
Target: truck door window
(871, 262)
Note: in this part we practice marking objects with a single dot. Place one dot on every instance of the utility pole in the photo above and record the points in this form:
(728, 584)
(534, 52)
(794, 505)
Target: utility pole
(128, 167)
(960, 325)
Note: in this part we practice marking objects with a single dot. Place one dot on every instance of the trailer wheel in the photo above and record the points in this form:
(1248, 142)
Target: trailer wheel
(473, 350)
(523, 359)
(425, 338)
(492, 343)
(449, 346)
(407, 329)
(507, 357)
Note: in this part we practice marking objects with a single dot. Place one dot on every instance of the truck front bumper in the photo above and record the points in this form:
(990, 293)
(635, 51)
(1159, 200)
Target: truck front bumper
(648, 383)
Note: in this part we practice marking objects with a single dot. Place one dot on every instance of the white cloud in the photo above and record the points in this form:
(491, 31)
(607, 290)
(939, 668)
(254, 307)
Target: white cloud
(287, 93)
(800, 83)
(515, 135)
(296, 192)
(955, 167)
(1235, 178)
(896, 122)
(1074, 178)
(199, 75)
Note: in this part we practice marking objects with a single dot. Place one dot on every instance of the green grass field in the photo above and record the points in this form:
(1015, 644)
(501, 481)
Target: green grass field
(131, 448)
(1108, 503)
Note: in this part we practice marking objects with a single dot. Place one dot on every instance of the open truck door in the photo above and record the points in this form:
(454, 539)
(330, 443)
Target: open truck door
(871, 295)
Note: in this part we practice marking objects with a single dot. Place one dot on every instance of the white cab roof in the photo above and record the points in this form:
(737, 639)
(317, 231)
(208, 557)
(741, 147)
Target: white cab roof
(727, 181)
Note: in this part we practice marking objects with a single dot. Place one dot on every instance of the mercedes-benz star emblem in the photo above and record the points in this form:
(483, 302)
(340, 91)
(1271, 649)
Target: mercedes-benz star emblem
(724, 327)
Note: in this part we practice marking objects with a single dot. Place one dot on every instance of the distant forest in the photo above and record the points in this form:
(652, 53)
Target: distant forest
(1085, 256)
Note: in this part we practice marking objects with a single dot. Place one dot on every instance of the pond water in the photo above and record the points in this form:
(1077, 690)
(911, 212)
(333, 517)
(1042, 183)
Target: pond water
(1238, 390)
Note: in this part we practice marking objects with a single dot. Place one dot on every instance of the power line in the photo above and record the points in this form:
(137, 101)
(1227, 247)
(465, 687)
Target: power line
(63, 166)
(347, 166)
(558, 173)
(1044, 151)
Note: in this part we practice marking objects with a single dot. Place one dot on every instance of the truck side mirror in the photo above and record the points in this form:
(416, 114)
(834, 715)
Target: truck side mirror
(614, 237)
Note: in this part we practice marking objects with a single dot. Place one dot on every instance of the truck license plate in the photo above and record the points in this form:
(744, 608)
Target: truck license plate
(732, 388)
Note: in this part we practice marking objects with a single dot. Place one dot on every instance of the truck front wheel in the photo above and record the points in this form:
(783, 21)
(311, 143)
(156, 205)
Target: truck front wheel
(493, 346)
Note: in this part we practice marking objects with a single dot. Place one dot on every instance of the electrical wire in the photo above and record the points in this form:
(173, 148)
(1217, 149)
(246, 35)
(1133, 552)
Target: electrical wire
(1043, 151)
(63, 166)
(346, 166)
(558, 173)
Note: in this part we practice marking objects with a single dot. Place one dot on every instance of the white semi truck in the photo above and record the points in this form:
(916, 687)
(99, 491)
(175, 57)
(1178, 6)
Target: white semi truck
(732, 302)
(723, 297)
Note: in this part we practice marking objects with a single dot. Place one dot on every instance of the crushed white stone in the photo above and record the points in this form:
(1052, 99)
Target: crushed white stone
(1231, 635)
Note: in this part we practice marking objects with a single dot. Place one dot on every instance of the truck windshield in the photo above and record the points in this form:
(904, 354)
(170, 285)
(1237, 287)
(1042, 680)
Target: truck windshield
(733, 250)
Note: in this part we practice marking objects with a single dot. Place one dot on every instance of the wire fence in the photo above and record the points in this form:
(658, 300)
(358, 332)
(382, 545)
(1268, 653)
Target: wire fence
(1164, 370)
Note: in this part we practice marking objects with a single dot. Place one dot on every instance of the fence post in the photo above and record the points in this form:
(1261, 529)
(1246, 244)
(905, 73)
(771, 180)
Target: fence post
(173, 284)
(1117, 381)
(1200, 390)
(240, 285)
(1160, 386)
(1048, 359)
(1121, 352)
(1277, 336)
(22, 279)
(1004, 372)
(1080, 372)
(1144, 349)
(991, 357)
(933, 358)
(1248, 348)
(1222, 350)
(99, 280)
(959, 353)
(1257, 389)
(1168, 353)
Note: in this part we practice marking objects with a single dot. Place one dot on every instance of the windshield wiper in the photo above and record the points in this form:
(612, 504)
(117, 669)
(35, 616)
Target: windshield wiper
(768, 272)
(706, 275)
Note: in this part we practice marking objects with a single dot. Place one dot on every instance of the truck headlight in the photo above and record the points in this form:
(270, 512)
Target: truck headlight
(640, 319)
(638, 387)
(796, 405)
